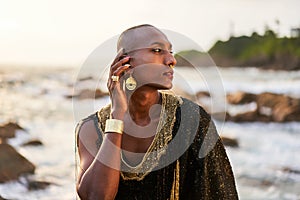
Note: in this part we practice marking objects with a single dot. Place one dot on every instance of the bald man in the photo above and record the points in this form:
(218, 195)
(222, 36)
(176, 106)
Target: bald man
(148, 144)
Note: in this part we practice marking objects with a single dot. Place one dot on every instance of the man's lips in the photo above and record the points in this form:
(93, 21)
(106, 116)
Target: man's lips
(169, 74)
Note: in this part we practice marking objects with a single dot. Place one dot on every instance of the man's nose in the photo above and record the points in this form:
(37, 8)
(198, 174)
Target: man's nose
(170, 59)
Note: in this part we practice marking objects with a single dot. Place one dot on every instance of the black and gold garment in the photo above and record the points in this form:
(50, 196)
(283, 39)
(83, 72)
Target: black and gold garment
(186, 159)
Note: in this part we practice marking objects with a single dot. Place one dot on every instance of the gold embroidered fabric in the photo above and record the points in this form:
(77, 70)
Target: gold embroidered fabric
(158, 146)
(176, 179)
(191, 176)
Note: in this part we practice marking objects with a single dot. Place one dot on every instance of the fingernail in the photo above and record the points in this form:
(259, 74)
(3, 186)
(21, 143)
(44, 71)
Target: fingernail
(127, 65)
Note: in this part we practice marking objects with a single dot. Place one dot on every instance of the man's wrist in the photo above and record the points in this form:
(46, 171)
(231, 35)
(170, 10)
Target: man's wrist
(114, 126)
(117, 115)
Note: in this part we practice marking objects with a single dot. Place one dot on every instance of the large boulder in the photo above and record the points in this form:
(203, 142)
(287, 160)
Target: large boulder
(13, 164)
(241, 98)
(283, 108)
(268, 99)
(270, 107)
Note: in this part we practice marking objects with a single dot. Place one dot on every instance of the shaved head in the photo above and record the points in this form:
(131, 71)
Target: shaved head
(131, 38)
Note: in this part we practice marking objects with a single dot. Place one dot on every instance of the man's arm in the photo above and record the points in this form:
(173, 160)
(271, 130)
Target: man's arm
(95, 179)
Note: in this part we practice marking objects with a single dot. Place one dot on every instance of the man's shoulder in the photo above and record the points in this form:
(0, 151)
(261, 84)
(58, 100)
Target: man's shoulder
(191, 108)
(84, 122)
(88, 118)
(102, 112)
(95, 120)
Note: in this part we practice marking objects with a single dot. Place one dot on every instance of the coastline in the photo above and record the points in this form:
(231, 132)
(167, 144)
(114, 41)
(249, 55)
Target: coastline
(38, 101)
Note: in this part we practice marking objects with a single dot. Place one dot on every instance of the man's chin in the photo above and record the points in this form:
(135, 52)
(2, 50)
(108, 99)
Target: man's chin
(163, 87)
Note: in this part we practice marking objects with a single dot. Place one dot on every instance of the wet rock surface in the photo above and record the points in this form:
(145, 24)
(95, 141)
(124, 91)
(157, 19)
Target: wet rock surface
(231, 142)
(270, 107)
(240, 97)
(88, 94)
(8, 130)
(13, 164)
(37, 185)
(34, 142)
(290, 170)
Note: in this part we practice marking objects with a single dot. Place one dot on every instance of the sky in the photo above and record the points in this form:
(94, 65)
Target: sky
(65, 32)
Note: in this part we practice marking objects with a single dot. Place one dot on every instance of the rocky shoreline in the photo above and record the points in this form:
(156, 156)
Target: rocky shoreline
(14, 165)
(270, 107)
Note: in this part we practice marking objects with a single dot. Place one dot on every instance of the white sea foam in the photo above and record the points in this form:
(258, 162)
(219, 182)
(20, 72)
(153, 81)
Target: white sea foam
(37, 102)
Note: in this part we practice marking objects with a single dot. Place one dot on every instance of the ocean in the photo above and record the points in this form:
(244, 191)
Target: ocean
(36, 99)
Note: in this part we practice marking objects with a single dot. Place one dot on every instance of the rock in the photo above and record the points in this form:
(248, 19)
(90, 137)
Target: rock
(70, 96)
(1, 198)
(240, 98)
(256, 182)
(251, 116)
(88, 94)
(37, 185)
(13, 164)
(221, 116)
(242, 117)
(86, 78)
(270, 100)
(266, 183)
(270, 107)
(202, 94)
(44, 91)
(14, 125)
(290, 170)
(283, 108)
(231, 142)
(33, 143)
(99, 94)
(8, 130)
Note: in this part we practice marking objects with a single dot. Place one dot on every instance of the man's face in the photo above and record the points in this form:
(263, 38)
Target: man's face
(151, 57)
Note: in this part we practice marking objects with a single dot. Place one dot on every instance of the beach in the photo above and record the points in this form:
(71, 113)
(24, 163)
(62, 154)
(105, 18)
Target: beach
(265, 163)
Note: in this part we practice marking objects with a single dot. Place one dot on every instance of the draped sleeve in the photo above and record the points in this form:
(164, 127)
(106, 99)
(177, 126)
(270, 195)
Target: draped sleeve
(206, 170)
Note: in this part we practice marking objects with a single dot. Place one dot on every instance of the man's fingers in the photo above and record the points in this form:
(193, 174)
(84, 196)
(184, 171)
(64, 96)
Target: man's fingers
(120, 70)
(119, 64)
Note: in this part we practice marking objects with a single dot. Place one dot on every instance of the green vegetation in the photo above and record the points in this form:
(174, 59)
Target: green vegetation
(193, 58)
(264, 51)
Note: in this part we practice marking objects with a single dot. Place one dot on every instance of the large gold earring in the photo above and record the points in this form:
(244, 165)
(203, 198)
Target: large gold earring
(130, 83)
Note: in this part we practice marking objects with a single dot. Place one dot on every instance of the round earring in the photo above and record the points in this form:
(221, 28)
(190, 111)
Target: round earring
(130, 82)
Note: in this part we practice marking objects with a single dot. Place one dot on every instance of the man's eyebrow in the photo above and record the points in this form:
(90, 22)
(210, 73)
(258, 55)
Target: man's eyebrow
(162, 44)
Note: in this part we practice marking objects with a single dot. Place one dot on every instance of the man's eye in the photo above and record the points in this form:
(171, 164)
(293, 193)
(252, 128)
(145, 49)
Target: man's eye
(157, 50)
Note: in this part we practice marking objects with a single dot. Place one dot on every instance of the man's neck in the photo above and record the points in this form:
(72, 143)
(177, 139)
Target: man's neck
(141, 102)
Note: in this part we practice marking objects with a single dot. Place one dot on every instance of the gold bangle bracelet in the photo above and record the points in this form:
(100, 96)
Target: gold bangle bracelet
(114, 126)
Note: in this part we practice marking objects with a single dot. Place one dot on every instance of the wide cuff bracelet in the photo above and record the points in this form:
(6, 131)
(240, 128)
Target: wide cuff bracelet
(114, 126)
